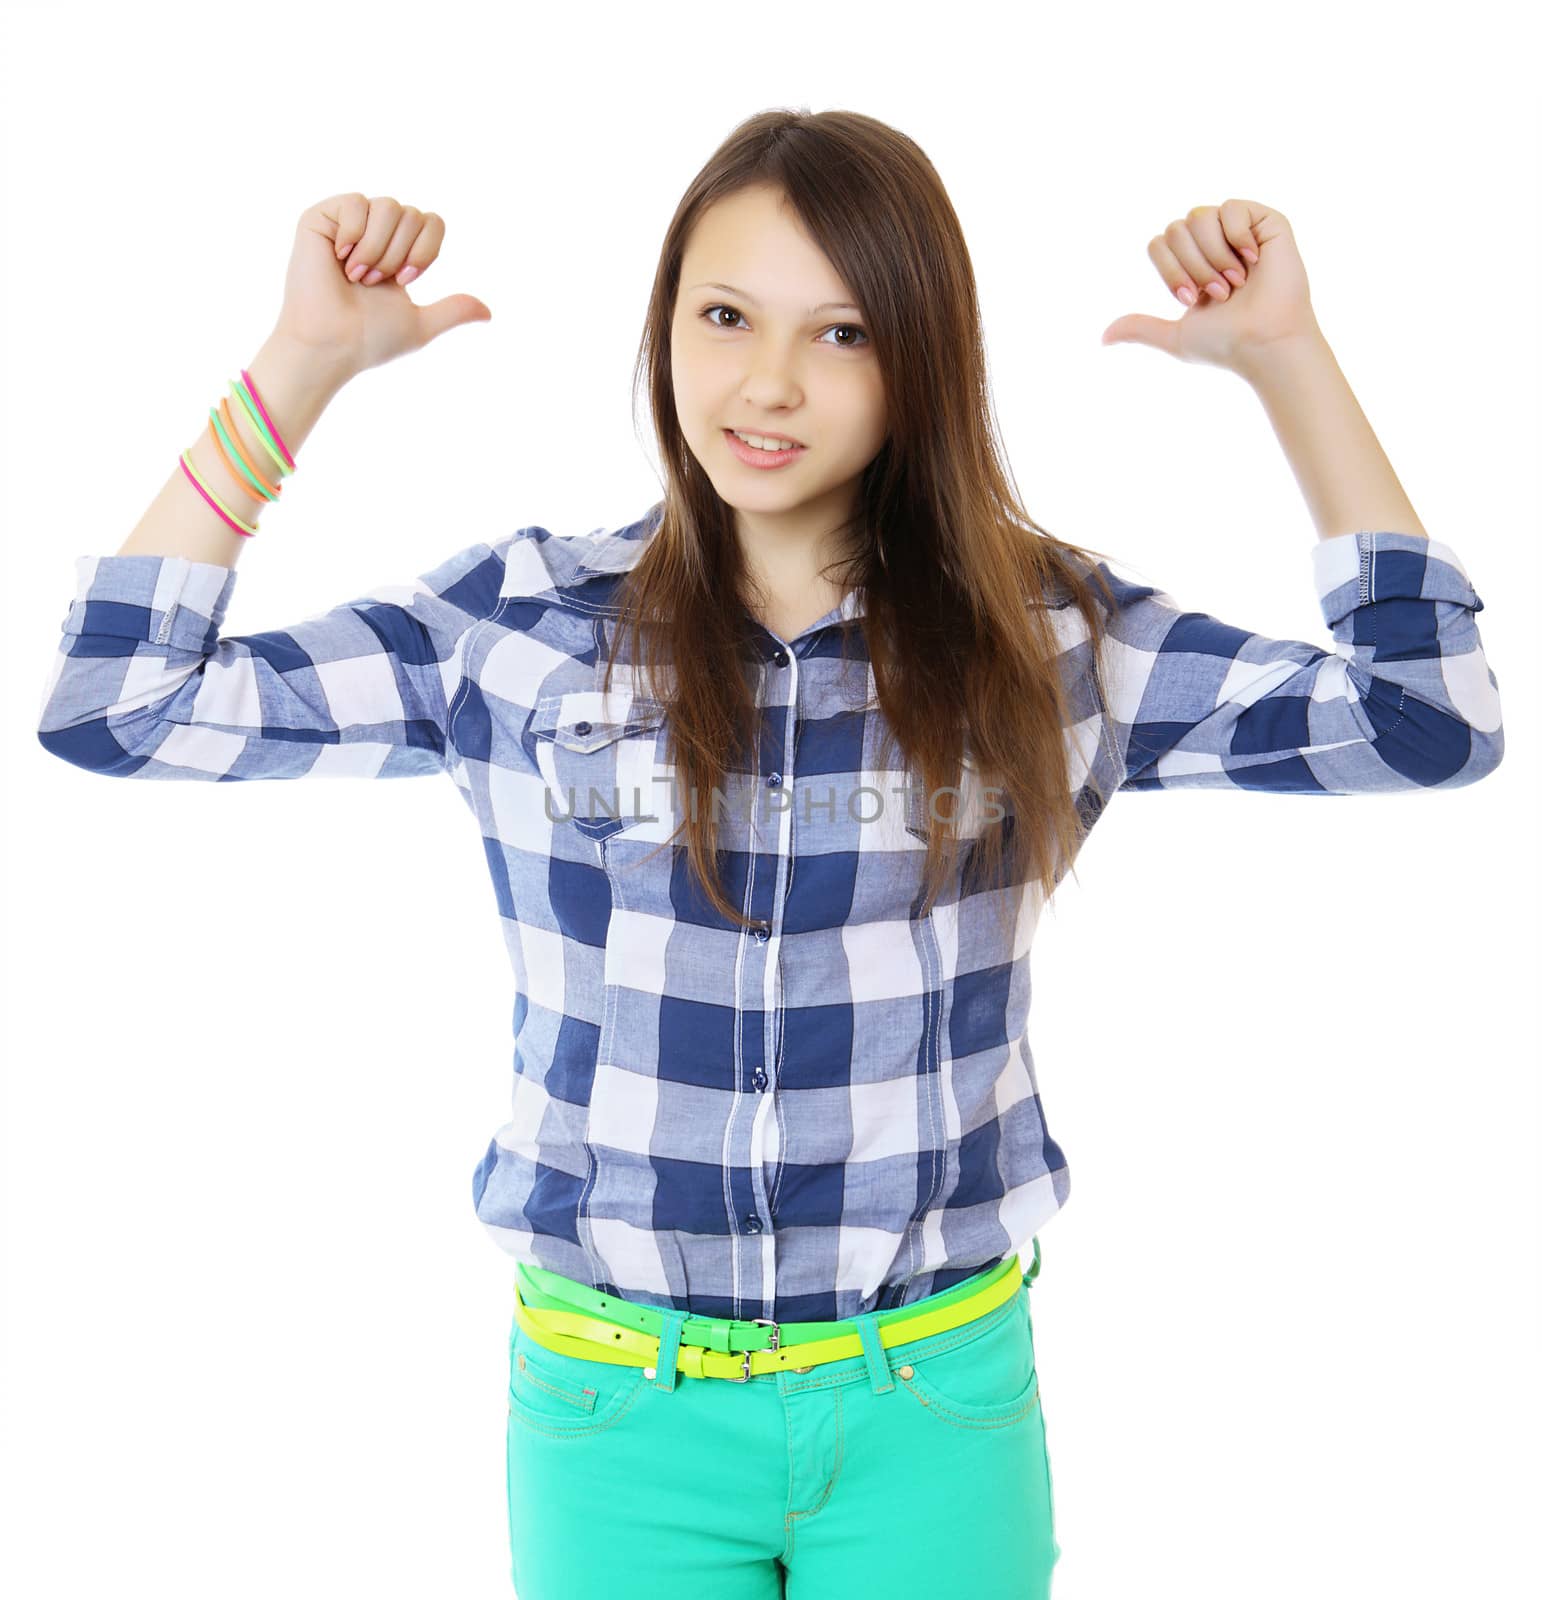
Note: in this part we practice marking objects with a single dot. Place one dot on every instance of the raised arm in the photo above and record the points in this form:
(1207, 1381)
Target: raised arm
(143, 684)
(1405, 698)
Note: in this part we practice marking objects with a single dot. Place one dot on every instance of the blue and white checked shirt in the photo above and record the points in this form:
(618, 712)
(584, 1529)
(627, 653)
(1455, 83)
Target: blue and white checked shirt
(836, 1112)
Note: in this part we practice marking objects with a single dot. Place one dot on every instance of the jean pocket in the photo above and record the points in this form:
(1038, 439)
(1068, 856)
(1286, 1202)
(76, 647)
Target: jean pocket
(566, 1396)
(986, 1380)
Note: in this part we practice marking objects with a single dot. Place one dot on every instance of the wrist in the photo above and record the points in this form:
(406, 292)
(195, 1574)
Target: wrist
(321, 369)
(294, 383)
(1282, 360)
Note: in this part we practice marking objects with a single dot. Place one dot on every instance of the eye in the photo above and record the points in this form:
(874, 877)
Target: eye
(850, 327)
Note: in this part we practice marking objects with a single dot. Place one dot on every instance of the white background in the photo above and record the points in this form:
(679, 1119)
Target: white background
(257, 1037)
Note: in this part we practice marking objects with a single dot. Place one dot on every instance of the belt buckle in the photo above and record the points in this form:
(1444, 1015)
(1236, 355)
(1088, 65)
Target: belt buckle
(776, 1339)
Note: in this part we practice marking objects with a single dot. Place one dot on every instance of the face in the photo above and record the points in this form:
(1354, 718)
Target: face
(757, 358)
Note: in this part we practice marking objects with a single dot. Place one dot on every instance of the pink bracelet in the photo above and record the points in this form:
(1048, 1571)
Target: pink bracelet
(192, 477)
(249, 392)
(251, 389)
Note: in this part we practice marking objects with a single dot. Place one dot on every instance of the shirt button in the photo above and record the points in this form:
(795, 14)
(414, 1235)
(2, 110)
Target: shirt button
(762, 931)
(761, 1080)
(581, 728)
(780, 658)
(775, 780)
(752, 1223)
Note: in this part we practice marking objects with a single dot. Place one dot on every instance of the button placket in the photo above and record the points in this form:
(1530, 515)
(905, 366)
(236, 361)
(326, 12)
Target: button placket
(756, 976)
(785, 866)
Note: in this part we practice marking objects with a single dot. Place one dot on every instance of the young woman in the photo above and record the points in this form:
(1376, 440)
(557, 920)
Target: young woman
(773, 785)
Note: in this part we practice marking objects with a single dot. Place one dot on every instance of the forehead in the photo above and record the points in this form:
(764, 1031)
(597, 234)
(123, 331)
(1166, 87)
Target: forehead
(755, 239)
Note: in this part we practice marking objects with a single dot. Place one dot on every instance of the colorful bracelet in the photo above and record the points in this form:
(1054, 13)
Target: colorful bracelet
(223, 434)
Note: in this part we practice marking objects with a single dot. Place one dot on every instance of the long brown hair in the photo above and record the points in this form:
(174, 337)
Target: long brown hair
(961, 586)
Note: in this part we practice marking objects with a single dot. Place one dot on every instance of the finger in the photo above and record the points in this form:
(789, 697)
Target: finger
(1238, 229)
(383, 214)
(1183, 244)
(387, 263)
(1174, 274)
(352, 214)
(425, 248)
(1205, 224)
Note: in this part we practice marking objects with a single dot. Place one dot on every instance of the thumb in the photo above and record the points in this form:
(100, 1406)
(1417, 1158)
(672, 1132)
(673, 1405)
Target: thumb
(1137, 329)
(450, 312)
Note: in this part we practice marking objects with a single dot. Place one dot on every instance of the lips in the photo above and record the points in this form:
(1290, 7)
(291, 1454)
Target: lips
(768, 433)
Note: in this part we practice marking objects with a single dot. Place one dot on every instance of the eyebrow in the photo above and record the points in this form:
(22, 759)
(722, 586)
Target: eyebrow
(749, 299)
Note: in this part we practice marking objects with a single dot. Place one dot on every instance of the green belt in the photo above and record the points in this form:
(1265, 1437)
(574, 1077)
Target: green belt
(572, 1319)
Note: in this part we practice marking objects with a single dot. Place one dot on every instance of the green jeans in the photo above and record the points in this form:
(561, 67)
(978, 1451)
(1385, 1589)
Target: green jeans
(853, 1479)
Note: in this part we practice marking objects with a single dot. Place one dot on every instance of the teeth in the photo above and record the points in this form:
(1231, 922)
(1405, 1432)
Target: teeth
(761, 442)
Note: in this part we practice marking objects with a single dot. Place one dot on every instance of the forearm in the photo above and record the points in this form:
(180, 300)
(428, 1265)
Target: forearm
(1340, 467)
(295, 387)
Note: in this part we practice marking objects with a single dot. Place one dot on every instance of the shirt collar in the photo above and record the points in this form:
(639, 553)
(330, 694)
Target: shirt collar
(619, 552)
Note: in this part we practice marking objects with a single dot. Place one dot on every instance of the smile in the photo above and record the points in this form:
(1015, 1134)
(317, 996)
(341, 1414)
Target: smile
(752, 456)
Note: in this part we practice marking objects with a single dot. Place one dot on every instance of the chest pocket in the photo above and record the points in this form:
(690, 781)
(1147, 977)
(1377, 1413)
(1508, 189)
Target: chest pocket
(600, 756)
(971, 803)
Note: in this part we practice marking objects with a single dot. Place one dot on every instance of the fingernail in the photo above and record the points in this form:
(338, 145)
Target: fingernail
(1250, 256)
(406, 275)
(1218, 289)
(374, 275)
(357, 270)
(1187, 295)
(1234, 278)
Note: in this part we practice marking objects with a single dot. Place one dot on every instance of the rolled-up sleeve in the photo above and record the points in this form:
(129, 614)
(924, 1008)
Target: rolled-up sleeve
(1405, 698)
(144, 685)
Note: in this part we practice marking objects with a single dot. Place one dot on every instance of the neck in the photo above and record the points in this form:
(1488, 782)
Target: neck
(793, 559)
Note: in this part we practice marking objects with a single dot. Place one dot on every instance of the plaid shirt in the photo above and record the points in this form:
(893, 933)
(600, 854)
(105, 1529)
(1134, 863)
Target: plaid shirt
(835, 1111)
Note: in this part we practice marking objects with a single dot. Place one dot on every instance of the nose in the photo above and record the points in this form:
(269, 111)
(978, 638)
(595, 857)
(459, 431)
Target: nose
(770, 377)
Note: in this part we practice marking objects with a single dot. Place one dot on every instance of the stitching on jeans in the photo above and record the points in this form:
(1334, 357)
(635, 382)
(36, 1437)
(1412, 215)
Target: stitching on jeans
(787, 1520)
(956, 1419)
(829, 1488)
(583, 1430)
(572, 1399)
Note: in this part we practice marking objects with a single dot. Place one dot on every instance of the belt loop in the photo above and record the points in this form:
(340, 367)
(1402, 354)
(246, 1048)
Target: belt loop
(1033, 1271)
(669, 1347)
(872, 1347)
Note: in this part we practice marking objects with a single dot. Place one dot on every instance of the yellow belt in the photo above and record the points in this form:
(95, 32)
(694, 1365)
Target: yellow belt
(572, 1319)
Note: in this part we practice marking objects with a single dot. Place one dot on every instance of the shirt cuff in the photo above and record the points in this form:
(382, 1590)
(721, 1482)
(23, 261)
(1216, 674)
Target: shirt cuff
(1358, 569)
(165, 600)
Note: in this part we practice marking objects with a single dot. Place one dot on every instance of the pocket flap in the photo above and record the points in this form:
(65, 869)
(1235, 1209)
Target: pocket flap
(586, 721)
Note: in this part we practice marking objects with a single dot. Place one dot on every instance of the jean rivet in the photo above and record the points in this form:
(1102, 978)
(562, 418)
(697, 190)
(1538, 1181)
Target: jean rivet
(650, 1372)
(803, 1369)
(907, 1372)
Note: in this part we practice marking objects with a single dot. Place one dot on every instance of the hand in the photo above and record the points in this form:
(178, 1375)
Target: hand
(354, 326)
(1267, 300)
